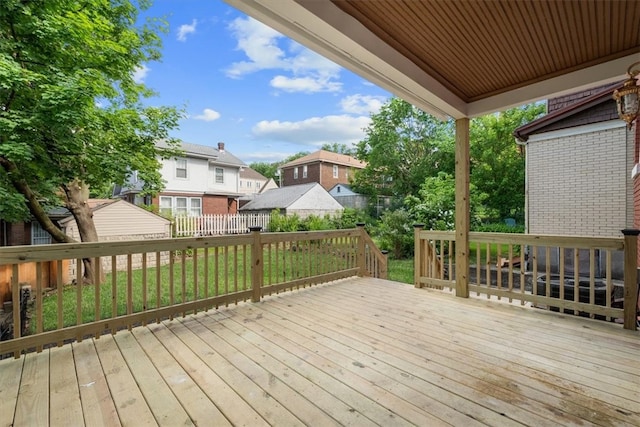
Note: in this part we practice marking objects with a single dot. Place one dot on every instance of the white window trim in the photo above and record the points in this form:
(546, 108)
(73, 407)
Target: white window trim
(215, 175)
(336, 171)
(295, 173)
(304, 171)
(173, 201)
(186, 168)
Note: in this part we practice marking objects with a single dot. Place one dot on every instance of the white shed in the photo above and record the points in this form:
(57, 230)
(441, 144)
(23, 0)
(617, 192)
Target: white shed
(303, 200)
(121, 220)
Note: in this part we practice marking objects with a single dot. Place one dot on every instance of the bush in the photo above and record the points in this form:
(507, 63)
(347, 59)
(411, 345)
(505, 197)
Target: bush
(395, 233)
(283, 223)
(350, 217)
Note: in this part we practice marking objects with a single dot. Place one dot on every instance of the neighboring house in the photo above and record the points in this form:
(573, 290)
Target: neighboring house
(347, 197)
(205, 180)
(581, 166)
(324, 167)
(253, 182)
(303, 200)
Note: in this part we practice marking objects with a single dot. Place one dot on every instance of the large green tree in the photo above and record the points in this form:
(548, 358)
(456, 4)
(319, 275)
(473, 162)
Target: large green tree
(71, 112)
(497, 162)
(403, 146)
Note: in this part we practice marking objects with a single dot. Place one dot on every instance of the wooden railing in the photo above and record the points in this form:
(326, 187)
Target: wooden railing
(148, 281)
(595, 277)
(215, 225)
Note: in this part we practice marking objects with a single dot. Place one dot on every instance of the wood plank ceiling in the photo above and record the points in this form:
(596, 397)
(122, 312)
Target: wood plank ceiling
(479, 49)
(470, 57)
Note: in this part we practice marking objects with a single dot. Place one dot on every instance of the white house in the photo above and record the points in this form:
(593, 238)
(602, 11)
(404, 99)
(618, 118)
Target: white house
(253, 182)
(205, 180)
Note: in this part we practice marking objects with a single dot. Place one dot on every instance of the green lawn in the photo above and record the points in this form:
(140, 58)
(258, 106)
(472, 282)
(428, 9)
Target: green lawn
(400, 270)
(179, 286)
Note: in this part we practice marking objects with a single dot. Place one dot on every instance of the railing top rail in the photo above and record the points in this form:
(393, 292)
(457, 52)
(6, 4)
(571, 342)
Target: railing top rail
(308, 235)
(582, 242)
(38, 253)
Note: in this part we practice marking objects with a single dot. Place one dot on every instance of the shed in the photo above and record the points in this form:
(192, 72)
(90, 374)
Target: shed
(303, 200)
(349, 198)
(121, 220)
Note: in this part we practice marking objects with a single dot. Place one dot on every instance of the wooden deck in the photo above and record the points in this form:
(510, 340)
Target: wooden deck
(354, 352)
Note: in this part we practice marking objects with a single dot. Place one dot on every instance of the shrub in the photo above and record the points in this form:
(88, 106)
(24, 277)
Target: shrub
(395, 233)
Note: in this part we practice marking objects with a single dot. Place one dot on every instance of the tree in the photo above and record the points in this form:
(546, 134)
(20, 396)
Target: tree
(268, 170)
(272, 170)
(339, 148)
(403, 146)
(71, 116)
(497, 163)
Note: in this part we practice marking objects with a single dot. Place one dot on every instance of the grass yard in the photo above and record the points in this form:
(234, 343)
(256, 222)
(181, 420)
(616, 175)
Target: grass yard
(229, 271)
(401, 270)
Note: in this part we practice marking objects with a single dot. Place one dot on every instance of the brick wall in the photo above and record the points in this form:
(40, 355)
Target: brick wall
(579, 184)
(321, 173)
(212, 205)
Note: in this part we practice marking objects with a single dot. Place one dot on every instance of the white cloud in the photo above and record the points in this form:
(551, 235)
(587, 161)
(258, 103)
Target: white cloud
(208, 115)
(309, 72)
(362, 104)
(186, 29)
(140, 73)
(314, 131)
(305, 84)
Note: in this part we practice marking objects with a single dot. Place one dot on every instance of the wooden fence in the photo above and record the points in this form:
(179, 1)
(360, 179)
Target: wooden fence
(202, 273)
(215, 225)
(596, 277)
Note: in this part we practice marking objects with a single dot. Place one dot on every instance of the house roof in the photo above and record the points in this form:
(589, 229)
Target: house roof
(523, 132)
(223, 157)
(465, 58)
(279, 198)
(248, 173)
(323, 156)
(99, 204)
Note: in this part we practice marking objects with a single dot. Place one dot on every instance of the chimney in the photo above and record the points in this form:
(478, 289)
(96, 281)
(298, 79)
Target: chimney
(221, 147)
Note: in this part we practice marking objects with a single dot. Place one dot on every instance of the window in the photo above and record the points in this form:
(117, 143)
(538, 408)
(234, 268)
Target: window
(258, 185)
(181, 206)
(38, 235)
(304, 171)
(295, 173)
(195, 208)
(181, 168)
(166, 205)
(248, 184)
(240, 183)
(219, 176)
(335, 171)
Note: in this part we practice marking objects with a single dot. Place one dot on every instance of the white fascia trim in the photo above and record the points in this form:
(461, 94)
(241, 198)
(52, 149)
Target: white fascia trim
(578, 130)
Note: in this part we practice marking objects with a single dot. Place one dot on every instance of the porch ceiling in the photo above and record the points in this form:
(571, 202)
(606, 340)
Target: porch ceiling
(465, 58)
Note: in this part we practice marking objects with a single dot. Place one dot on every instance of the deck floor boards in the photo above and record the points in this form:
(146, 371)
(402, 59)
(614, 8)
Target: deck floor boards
(354, 352)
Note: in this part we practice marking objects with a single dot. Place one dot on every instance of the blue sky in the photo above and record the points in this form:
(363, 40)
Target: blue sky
(240, 82)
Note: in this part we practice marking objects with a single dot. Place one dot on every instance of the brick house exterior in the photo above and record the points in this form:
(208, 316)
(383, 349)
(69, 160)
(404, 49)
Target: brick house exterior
(324, 167)
(579, 163)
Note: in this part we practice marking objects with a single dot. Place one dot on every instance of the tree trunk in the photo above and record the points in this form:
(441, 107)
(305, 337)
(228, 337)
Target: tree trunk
(33, 204)
(76, 197)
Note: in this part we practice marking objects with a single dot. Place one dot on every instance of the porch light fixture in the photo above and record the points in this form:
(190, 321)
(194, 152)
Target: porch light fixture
(628, 97)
